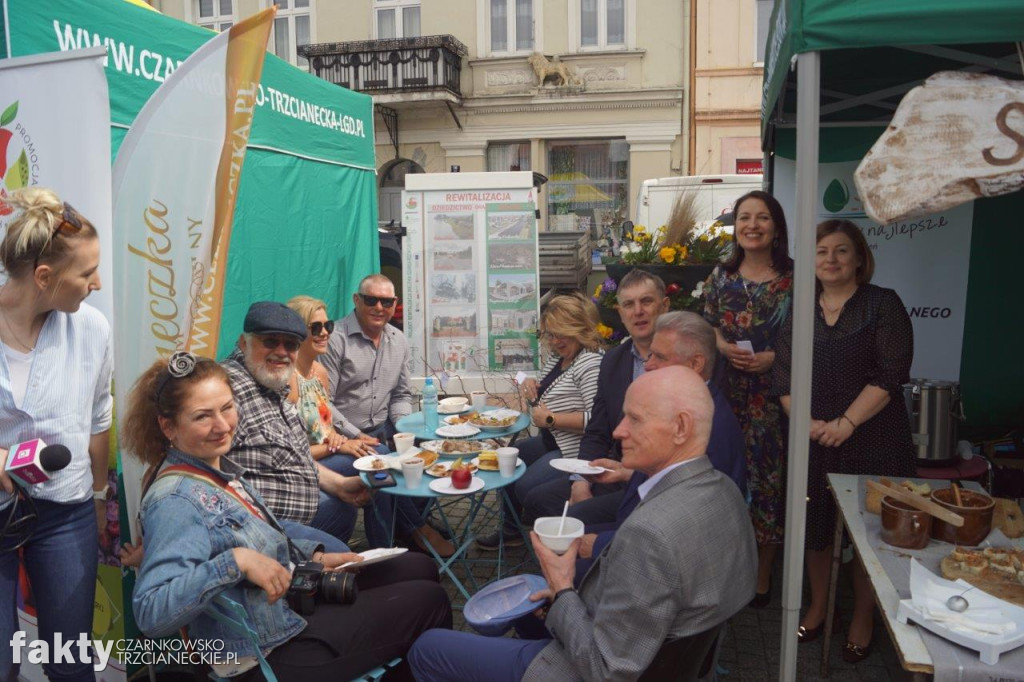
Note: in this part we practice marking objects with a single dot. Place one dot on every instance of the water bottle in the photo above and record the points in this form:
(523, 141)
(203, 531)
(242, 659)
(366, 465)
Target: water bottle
(429, 405)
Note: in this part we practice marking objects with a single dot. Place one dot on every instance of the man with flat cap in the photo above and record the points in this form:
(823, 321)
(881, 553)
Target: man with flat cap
(270, 441)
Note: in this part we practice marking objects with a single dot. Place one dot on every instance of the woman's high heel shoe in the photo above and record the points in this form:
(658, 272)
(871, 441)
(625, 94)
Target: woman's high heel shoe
(761, 599)
(808, 635)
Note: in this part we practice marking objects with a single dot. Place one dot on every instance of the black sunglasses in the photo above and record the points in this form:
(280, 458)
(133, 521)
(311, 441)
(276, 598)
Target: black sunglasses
(318, 328)
(272, 342)
(372, 301)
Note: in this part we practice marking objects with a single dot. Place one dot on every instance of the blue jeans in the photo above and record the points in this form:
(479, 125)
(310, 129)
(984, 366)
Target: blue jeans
(301, 532)
(449, 656)
(335, 517)
(377, 517)
(61, 561)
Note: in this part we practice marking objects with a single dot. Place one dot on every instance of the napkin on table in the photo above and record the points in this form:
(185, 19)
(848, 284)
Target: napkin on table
(929, 593)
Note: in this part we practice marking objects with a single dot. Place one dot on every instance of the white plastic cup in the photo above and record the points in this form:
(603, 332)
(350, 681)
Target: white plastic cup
(508, 458)
(479, 399)
(546, 528)
(404, 441)
(412, 471)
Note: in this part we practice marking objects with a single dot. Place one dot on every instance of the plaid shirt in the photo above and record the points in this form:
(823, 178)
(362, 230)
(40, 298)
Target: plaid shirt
(271, 444)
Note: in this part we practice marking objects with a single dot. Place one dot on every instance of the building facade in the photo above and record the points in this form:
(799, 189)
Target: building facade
(589, 93)
(729, 42)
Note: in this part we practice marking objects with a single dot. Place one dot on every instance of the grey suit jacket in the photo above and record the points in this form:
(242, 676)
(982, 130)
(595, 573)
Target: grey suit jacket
(684, 561)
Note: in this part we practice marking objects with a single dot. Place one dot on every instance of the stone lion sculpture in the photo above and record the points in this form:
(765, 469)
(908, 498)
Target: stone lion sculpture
(553, 70)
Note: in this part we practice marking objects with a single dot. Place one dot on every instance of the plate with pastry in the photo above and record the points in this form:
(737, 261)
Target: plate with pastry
(488, 461)
(458, 448)
(444, 469)
(371, 463)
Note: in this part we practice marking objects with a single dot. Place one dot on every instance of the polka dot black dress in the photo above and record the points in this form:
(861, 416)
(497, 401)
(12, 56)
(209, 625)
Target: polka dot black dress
(871, 343)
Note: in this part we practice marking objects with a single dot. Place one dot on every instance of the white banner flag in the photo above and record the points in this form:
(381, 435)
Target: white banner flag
(55, 133)
(175, 186)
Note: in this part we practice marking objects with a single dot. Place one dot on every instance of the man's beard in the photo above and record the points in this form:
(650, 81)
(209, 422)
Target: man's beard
(275, 380)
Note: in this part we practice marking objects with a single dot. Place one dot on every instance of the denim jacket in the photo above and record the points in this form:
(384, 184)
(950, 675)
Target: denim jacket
(190, 528)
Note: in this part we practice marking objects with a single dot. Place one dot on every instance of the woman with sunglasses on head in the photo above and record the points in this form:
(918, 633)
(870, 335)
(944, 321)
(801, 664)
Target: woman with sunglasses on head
(208, 532)
(336, 451)
(54, 385)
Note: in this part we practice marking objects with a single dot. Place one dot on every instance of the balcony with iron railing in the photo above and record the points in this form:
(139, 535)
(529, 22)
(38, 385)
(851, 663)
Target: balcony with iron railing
(427, 64)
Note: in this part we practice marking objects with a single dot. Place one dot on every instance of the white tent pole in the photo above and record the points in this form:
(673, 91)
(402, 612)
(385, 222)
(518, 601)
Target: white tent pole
(802, 229)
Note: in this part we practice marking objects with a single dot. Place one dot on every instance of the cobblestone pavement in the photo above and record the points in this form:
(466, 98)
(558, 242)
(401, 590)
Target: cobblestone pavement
(751, 649)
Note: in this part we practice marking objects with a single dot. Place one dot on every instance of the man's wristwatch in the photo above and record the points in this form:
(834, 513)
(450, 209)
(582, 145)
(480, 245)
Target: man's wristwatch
(100, 494)
(561, 592)
(549, 420)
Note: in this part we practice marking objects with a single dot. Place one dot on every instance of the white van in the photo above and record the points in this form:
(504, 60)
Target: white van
(716, 195)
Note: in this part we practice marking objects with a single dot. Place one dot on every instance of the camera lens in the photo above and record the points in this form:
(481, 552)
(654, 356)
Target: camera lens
(337, 587)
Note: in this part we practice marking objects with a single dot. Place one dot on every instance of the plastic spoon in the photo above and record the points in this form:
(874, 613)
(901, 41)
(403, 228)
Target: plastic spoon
(957, 602)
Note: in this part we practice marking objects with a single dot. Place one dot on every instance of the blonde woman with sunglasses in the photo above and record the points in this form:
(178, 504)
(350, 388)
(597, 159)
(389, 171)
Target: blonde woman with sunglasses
(309, 384)
(55, 368)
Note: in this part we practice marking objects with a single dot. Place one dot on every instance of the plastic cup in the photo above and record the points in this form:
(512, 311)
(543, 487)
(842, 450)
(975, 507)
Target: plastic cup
(508, 458)
(412, 471)
(404, 441)
(479, 399)
(546, 528)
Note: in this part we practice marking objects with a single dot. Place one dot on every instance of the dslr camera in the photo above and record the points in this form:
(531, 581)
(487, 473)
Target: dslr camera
(312, 585)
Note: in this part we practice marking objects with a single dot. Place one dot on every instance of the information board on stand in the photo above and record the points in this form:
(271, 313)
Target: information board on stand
(470, 274)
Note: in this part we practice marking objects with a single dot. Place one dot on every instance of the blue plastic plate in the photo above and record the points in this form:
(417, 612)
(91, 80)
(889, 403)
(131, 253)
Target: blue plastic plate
(492, 610)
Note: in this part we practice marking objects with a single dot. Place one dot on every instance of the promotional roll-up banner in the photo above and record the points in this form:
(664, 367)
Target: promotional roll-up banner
(55, 133)
(176, 181)
(925, 260)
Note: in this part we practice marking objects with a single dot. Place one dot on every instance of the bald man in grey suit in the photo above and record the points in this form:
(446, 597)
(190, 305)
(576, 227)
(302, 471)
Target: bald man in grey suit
(683, 562)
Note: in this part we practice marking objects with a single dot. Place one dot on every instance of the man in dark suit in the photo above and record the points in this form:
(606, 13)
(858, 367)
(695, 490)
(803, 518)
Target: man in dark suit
(682, 563)
(685, 339)
(641, 299)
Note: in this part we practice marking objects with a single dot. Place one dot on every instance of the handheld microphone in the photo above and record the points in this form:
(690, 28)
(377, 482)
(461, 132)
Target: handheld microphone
(34, 461)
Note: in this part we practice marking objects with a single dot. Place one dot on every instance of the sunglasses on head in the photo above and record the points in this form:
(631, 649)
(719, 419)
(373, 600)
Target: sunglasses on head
(317, 328)
(272, 342)
(372, 301)
(70, 221)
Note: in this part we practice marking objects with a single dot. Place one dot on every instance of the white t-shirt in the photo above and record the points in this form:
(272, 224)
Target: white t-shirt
(20, 364)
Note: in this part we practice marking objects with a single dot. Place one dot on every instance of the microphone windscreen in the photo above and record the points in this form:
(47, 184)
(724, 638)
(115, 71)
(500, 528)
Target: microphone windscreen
(54, 457)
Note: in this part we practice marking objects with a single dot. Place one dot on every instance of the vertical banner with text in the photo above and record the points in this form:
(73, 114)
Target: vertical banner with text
(176, 182)
(55, 133)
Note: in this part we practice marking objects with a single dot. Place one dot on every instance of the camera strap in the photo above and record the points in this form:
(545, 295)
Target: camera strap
(189, 471)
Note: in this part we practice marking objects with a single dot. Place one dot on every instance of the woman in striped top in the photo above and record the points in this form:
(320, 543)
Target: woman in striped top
(55, 369)
(561, 401)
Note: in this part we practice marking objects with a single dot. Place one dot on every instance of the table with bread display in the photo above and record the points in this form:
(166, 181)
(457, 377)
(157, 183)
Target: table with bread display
(946, 565)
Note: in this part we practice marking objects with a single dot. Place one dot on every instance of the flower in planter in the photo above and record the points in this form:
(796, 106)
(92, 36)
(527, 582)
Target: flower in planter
(604, 295)
(605, 331)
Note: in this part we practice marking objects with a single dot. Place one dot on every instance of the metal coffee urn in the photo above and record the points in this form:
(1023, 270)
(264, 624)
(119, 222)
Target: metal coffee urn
(935, 411)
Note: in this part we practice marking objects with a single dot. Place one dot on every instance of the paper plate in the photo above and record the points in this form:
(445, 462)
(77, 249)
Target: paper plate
(576, 466)
(373, 556)
(457, 431)
(444, 486)
(368, 463)
(441, 409)
(442, 469)
(492, 610)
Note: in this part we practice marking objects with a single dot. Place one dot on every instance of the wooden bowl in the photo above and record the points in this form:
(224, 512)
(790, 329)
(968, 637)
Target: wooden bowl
(904, 526)
(977, 512)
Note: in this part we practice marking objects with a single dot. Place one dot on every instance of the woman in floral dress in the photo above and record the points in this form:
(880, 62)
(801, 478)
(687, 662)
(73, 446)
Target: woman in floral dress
(748, 299)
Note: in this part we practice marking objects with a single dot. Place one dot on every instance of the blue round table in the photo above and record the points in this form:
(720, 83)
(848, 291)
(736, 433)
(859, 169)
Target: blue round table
(463, 538)
(413, 423)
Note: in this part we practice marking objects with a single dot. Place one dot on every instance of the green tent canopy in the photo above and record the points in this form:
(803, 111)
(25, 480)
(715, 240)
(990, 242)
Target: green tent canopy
(874, 51)
(306, 219)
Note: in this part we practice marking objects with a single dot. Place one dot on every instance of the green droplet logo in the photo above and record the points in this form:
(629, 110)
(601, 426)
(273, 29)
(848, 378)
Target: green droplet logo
(836, 196)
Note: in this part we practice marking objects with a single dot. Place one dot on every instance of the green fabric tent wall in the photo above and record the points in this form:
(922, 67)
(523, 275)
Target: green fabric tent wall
(306, 219)
(873, 51)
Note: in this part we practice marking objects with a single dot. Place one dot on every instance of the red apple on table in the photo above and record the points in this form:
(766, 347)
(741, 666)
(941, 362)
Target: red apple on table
(461, 475)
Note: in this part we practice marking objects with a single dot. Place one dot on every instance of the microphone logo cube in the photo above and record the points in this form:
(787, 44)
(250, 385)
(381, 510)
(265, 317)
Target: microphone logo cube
(25, 462)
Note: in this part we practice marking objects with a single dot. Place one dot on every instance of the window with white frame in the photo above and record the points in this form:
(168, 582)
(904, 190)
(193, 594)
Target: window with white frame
(216, 14)
(602, 23)
(396, 18)
(511, 25)
(292, 29)
(764, 21)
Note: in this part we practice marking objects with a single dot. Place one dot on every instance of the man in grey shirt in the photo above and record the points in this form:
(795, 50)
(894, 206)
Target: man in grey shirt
(367, 363)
